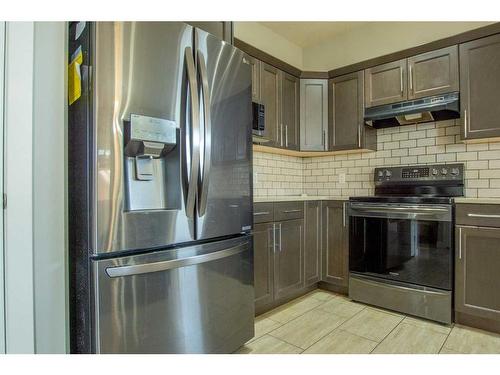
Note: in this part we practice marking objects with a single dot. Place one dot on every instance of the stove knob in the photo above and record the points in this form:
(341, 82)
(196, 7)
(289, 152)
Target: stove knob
(455, 172)
(388, 173)
(444, 171)
(435, 172)
(380, 174)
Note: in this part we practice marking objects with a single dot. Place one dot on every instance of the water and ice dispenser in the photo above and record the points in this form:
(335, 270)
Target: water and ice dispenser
(152, 163)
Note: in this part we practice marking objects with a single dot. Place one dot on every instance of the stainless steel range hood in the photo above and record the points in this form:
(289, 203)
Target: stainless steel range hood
(433, 108)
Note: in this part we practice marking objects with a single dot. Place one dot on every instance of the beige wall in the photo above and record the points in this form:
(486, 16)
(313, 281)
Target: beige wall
(268, 41)
(377, 39)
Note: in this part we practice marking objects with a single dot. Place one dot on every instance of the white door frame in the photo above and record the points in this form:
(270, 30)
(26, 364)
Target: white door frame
(18, 185)
(2, 98)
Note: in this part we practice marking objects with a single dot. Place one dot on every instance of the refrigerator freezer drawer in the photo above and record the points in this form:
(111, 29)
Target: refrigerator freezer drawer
(196, 299)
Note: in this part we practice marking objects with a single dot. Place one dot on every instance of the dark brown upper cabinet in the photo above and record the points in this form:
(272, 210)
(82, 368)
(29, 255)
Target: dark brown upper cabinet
(480, 88)
(289, 125)
(433, 73)
(312, 237)
(255, 64)
(346, 129)
(269, 95)
(386, 84)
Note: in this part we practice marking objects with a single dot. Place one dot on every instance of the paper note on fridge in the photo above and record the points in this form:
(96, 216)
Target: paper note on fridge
(75, 76)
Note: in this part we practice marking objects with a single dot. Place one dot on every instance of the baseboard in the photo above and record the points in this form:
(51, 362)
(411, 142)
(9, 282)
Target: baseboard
(477, 322)
(333, 288)
(263, 309)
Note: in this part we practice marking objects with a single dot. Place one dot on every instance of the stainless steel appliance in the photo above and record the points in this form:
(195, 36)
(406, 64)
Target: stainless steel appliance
(401, 247)
(160, 194)
(432, 108)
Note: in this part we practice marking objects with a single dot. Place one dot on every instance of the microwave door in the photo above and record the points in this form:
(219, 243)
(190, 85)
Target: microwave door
(224, 202)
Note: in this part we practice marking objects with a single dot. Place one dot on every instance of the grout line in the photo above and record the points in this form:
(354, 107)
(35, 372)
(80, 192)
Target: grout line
(397, 325)
(446, 339)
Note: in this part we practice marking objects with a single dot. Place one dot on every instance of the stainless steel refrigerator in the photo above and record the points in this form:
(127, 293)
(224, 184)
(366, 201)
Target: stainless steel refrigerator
(160, 191)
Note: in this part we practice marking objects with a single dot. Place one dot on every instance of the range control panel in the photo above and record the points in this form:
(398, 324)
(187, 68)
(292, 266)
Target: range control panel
(438, 172)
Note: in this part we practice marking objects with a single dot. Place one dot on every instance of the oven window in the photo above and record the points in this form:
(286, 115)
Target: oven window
(413, 251)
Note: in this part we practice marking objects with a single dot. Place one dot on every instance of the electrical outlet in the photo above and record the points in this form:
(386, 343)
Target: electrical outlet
(342, 178)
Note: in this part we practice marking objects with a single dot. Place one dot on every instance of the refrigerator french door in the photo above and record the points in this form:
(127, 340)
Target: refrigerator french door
(160, 191)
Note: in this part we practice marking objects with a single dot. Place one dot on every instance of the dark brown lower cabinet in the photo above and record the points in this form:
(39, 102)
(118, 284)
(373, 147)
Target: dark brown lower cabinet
(288, 257)
(263, 263)
(335, 248)
(312, 242)
(477, 273)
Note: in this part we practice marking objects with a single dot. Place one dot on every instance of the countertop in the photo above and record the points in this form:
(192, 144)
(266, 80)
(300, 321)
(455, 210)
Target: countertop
(298, 198)
(477, 200)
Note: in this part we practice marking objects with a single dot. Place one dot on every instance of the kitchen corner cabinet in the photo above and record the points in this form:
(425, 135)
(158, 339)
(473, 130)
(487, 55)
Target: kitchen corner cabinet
(289, 100)
(312, 240)
(335, 245)
(269, 96)
(313, 114)
(479, 88)
(255, 65)
(263, 245)
(346, 128)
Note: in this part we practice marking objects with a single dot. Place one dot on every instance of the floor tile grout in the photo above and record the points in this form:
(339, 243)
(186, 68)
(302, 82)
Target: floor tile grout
(396, 326)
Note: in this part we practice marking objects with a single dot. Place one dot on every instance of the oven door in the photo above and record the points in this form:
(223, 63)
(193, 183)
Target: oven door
(411, 243)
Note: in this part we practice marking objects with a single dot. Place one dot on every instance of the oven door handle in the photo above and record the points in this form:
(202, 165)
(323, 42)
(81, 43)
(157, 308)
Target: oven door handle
(405, 209)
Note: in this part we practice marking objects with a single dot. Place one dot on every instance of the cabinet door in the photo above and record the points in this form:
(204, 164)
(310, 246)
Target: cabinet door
(345, 111)
(269, 96)
(221, 29)
(263, 255)
(312, 242)
(479, 88)
(290, 86)
(477, 277)
(433, 73)
(255, 64)
(335, 265)
(313, 114)
(385, 84)
(288, 261)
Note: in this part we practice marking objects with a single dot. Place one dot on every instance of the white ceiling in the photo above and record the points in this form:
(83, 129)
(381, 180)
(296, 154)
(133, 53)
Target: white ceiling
(305, 34)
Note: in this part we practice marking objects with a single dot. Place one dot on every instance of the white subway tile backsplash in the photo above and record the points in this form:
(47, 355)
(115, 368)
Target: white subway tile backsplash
(411, 144)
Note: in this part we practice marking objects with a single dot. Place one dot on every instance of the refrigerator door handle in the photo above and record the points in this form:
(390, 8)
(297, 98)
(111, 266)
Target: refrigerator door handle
(175, 263)
(207, 134)
(194, 133)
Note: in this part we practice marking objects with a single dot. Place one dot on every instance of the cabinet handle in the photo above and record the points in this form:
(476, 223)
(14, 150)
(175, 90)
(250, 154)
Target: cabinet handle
(280, 237)
(484, 216)
(274, 238)
(465, 122)
(286, 135)
(324, 139)
(281, 135)
(291, 211)
(261, 213)
(359, 136)
(411, 79)
(344, 213)
(460, 243)
(401, 80)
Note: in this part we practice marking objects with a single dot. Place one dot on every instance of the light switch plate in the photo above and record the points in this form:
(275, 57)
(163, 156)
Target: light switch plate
(342, 178)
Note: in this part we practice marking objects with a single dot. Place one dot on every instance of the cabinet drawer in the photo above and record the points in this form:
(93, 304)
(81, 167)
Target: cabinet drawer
(288, 210)
(263, 212)
(480, 215)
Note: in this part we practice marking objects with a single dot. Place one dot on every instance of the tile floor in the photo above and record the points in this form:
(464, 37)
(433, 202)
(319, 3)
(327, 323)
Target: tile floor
(324, 322)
